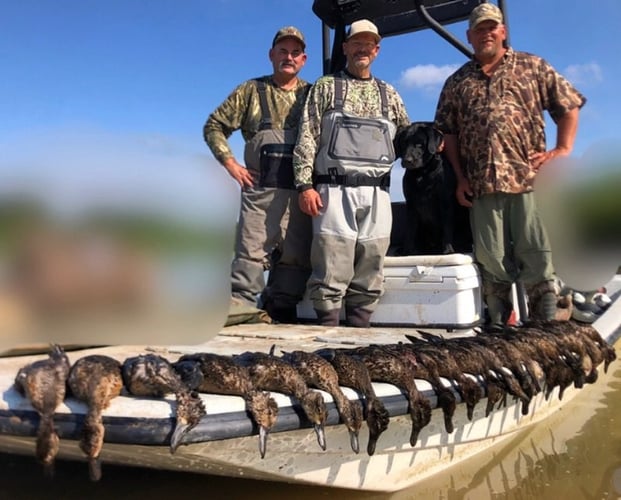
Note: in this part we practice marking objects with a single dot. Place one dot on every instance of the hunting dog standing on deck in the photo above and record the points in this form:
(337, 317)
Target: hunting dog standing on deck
(435, 222)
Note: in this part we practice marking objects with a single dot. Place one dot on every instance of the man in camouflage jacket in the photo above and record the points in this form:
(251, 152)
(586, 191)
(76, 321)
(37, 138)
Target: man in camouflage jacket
(271, 229)
(491, 112)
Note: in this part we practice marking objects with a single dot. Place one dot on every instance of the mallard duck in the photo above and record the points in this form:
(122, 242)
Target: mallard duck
(96, 380)
(43, 382)
(218, 374)
(270, 373)
(352, 372)
(153, 376)
(319, 373)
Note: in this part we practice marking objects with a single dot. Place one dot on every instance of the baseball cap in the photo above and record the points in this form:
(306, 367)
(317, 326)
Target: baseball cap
(363, 26)
(289, 32)
(484, 12)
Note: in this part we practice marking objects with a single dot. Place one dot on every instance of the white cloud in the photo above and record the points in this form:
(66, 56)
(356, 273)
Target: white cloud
(581, 74)
(426, 76)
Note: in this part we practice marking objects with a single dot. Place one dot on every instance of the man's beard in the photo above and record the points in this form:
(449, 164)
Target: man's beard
(489, 51)
(362, 63)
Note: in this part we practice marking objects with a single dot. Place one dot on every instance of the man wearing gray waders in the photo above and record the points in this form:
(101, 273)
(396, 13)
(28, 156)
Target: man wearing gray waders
(342, 164)
(267, 111)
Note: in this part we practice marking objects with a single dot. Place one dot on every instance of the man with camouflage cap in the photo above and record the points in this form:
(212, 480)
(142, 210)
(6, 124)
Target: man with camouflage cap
(267, 111)
(342, 165)
(491, 111)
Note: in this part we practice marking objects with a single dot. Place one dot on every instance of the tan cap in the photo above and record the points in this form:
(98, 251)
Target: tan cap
(289, 32)
(363, 26)
(484, 12)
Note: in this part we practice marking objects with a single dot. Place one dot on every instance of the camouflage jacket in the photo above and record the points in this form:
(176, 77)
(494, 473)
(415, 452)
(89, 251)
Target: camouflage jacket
(362, 99)
(241, 110)
(499, 120)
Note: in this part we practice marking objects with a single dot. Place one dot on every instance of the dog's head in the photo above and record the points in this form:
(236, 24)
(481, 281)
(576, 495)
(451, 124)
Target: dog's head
(417, 144)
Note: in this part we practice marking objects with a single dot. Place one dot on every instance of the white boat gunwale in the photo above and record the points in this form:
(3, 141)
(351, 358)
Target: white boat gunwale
(20, 419)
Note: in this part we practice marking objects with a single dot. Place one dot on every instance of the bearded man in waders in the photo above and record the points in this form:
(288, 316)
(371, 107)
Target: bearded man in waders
(342, 164)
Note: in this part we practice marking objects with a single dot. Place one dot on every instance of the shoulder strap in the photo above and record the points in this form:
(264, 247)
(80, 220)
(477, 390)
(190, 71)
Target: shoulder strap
(383, 96)
(339, 92)
(266, 118)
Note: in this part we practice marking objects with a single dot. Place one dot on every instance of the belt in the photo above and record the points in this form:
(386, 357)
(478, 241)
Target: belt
(353, 181)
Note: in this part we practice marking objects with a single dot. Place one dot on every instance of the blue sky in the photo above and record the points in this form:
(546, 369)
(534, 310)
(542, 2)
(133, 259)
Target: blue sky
(100, 89)
(102, 102)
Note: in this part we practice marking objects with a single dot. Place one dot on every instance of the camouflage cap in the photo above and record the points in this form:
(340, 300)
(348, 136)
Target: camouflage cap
(484, 12)
(289, 32)
(363, 26)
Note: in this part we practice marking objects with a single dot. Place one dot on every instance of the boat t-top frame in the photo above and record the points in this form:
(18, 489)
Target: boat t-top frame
(392, 17)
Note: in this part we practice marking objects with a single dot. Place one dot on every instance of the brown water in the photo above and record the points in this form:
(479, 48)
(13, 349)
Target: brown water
(574, 454)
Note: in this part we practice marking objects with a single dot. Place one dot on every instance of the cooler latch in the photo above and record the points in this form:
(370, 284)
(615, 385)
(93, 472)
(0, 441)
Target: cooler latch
(424, 273)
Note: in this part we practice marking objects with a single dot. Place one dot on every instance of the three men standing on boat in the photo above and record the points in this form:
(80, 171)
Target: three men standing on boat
(491, 113)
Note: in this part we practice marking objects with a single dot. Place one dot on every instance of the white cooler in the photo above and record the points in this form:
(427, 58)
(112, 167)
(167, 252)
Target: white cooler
(443, 291)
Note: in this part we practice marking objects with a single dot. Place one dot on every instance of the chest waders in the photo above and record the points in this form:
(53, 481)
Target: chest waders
(352, 233)
(271, 223)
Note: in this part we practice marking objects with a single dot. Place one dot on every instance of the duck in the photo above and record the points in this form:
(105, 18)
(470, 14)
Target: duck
(426, 369)
(525, 369)
(353, 373)
(95, 380)
(560, 365)
(270, 373)
(151, 375)
(386, 367)
(43, 383)
(586, 334)
(581, 347)
(471, 361)
(439, 359)
(497, 370)
(219, 374)
(589, 331)
(318, 372)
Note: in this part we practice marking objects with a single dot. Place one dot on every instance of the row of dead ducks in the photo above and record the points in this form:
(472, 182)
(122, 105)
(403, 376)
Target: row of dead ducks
(519, 362)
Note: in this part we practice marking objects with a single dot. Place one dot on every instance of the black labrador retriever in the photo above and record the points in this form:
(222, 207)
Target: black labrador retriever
(435, 222)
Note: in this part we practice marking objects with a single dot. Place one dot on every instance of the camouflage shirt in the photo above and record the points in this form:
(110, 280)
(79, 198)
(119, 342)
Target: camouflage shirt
(499, 119)
(242, 111)
(362, 98)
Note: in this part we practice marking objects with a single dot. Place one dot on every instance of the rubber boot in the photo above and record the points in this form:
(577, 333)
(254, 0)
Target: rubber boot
(545, 309)
(358, 317)
(498, 311)
(284, 314)
(543, 299)
(330, 317)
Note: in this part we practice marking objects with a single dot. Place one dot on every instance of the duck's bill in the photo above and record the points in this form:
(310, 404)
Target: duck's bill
(94, 469)
(354, 442)
(177, 437)
(321, 436)
(372, 444)
(263, 432)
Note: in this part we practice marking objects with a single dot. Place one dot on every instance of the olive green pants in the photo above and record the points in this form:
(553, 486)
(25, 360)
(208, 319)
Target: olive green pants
(510, 244)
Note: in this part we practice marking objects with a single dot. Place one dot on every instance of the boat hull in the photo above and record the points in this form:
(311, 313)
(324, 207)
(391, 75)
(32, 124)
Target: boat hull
(225, 442)
(294, 456)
